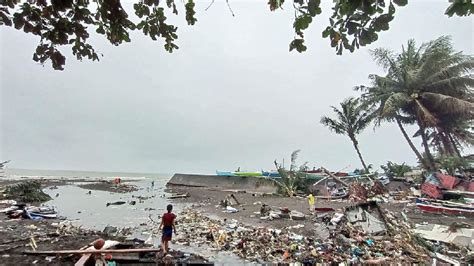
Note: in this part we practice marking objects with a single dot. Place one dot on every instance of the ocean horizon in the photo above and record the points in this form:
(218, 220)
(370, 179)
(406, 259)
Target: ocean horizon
(20, 172)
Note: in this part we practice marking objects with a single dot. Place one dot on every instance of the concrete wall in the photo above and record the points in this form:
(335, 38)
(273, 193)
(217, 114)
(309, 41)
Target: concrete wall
(247, 183)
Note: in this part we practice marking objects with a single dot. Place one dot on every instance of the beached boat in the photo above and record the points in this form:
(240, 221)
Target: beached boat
(273, 174)
(446, 207)
(248, 173)
(227, 173)
(224, 173)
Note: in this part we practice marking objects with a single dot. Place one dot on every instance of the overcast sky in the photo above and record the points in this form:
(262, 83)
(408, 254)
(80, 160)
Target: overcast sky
(231, 96)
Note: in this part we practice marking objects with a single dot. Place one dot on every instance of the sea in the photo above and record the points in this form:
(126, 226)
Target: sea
(91, 211)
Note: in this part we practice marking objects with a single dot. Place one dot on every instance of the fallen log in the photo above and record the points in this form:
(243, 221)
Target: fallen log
(57, 252)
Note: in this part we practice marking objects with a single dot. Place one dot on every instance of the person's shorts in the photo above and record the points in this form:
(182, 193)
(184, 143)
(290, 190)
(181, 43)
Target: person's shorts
(167, 233)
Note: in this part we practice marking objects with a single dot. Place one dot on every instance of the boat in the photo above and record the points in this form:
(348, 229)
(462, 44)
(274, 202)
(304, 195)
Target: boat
(273, 174)
(446, 207)
(248, 173)
(227, 173)
(314, 176)
(224, 173)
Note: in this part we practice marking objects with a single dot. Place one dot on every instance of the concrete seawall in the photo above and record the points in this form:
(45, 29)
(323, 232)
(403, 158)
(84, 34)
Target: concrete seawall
(247, 183)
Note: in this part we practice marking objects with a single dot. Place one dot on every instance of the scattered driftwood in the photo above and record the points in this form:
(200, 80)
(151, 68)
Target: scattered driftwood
(95, 251)
(179, 196)
(115, 203)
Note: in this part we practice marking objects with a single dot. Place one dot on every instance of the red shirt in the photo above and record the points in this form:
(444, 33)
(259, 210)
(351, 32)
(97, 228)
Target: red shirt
(168, 219)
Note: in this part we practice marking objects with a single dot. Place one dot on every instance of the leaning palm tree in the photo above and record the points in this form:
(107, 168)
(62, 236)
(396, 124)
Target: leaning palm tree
(423, 84)
(375, 98)
(351, 119)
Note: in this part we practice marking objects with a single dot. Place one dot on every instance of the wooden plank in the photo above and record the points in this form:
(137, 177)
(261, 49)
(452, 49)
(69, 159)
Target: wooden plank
(56, 252)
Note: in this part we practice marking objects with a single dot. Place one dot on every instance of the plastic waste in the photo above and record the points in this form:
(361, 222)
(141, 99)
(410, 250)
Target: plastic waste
(337, 218)
(230, 209)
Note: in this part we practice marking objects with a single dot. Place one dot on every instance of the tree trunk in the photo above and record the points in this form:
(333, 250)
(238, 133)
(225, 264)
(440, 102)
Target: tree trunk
(455, 147)
(356, 146)
(412, 146)
(425, 143)
(448, 147)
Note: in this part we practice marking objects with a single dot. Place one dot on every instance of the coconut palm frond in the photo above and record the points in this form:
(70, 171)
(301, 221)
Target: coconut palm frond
(446, 104)
(426, 115)
(460, 85)
(392, 104)
(333, 125)
(294, 156)
(383, 57)
(454, 66)
(441, 44)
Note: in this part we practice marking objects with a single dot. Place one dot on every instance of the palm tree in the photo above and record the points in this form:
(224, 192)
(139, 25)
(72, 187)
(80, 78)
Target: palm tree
(352, 118)
(423, 84)
(375, 98)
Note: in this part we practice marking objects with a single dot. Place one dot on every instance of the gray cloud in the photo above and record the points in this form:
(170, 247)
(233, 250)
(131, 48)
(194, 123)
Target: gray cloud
(231, 96)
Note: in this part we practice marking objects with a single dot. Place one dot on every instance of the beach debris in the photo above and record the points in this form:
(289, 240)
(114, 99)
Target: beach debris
(357, 192)
(436, 185)
(229, 200)
(178, 196)
(457, 234)
(445, 207)
(230, 209)
(344, 242)
(115, 203)
(361, 217)
(28, 191)
(296, 215)
(20, 210)
(265, 210)
(337, 218)
(110, 230)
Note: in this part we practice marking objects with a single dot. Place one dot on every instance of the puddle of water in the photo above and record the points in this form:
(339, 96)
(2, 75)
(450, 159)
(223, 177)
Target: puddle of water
(91, 211)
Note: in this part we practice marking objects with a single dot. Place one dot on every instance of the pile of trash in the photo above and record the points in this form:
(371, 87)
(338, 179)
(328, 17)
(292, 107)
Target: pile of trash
(29, 191)
(365, 233)
(437, 185)
(361, 192)
(447, 195)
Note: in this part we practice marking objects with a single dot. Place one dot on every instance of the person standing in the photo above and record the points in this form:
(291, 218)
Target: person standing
(311, 202)
(168, 226)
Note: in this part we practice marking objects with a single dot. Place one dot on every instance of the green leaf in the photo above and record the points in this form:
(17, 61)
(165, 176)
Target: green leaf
(381, 23)
(326, 32)
(313, 7)
(100, 30)
(302, 22)
(401, 2)
(274, 4)
(352, 27)
(298, 44)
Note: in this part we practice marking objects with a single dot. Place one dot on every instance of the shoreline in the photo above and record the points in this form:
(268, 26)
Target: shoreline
(206, 200)
(63, 233)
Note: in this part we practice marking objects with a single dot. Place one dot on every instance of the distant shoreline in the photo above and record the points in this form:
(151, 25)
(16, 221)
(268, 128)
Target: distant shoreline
(36, 173)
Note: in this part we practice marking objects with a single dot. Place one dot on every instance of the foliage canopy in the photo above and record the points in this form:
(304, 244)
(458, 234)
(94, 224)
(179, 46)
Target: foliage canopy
(59, 23)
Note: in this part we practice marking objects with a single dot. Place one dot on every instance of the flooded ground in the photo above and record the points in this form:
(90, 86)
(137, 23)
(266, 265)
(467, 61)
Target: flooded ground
(91, 210)
(88, 207)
